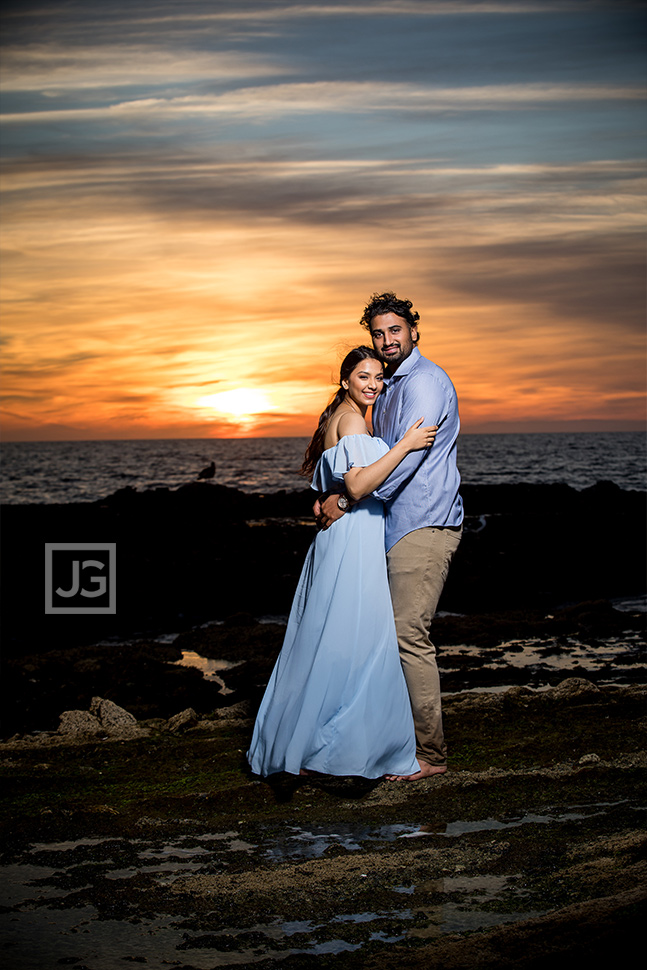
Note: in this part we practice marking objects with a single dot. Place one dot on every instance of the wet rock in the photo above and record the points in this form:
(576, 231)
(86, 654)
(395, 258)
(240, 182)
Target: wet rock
(80, 723)
(569, 868)
(155, 723)
(589, 933)
(114, 719)
(589, 759)
(575, 689)
(519, 695)
(146, 822)
(140, 676)
(236, 712)
(182, 721)
(104, 719)
(206, 725)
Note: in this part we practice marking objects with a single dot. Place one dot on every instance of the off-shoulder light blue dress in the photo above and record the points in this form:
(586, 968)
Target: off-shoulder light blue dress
(337, 700)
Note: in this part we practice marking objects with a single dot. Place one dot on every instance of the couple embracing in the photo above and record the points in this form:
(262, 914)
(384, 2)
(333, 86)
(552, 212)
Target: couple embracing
(355, 689)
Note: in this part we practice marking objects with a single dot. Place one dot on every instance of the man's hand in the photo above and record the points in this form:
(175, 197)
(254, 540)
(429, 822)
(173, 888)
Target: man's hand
(327, 511)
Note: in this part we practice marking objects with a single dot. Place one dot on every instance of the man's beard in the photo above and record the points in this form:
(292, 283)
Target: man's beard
(391, 359)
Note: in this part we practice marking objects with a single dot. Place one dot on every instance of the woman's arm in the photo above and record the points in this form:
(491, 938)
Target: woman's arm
(361, 481)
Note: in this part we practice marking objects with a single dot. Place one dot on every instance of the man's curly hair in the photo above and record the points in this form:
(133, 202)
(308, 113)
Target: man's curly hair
(381, 303)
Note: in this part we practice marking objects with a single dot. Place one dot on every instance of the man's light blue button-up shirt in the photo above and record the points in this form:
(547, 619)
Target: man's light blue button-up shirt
(423, 489)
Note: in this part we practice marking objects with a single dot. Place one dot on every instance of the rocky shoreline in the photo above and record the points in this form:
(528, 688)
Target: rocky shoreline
(132, 829)
(150, 842)
(203, 552)
(147, 678)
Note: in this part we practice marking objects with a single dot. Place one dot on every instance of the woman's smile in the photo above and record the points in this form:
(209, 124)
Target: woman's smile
(365, 382)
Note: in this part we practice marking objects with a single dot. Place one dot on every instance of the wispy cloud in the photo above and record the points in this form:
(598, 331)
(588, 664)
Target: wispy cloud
(272, 100)
(55, 69)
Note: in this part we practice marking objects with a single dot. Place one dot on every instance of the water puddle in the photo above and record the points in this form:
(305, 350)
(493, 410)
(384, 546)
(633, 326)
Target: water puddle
(49, 933)
(630, 604)
(313, 842)
(210, 669)
(454, 829)
(535, 661)
(99, 902)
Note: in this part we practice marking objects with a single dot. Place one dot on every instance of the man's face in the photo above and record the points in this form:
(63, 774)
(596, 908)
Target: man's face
(393, 339)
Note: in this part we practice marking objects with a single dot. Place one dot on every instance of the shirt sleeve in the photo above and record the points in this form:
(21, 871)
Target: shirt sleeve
(425, 398)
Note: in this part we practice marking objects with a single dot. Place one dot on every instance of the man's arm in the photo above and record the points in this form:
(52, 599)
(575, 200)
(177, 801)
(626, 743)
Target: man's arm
(326, 510)
(425, 398)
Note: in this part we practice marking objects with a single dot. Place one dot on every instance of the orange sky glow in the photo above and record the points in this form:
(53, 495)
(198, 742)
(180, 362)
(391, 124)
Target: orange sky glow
(187, 263)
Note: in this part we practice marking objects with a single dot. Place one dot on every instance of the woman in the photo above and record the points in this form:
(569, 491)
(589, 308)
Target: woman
(337, 701)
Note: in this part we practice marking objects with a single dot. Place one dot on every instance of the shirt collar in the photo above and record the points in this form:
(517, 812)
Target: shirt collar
(406, 366)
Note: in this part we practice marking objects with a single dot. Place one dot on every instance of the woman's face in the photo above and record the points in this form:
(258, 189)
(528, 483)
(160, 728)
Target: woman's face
(365, 382)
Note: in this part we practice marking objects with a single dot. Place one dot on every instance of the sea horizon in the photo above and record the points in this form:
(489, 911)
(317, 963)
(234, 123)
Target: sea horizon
(90, 469)
(639, 429)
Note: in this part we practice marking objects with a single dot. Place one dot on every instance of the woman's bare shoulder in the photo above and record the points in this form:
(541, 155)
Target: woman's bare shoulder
(351, 423)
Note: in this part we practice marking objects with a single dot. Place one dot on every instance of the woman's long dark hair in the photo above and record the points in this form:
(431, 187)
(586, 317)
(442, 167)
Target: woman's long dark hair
(315, 448)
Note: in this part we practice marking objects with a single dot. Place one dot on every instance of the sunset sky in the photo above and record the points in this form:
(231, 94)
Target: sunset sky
(199, 197)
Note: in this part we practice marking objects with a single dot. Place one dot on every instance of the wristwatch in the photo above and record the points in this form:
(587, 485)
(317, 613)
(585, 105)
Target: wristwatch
(343, 503)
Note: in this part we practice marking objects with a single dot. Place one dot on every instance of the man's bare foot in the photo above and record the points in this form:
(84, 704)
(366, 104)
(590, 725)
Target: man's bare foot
(426, 771)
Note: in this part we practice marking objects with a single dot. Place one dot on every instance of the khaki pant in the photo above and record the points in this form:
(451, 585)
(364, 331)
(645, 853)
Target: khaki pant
(418, 567)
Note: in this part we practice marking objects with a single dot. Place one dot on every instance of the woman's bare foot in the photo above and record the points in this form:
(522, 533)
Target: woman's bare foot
(426, 771)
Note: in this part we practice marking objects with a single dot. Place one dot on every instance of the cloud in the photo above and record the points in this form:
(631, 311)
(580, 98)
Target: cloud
(520, 233)
(575, 276)
(541, 201)
(54, 68)
(204, 195)
(279, 100)
(176, 17)
(422, 8)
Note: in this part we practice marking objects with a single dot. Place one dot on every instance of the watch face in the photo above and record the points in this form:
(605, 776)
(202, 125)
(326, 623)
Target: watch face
(342, 502)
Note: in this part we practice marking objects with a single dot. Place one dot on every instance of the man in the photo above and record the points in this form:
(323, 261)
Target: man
(424, 512)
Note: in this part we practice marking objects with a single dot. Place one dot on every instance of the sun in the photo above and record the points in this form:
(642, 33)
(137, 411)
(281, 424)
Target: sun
(241, 402)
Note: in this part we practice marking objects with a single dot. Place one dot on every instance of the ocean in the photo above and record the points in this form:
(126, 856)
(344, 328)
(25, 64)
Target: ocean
(84, 471)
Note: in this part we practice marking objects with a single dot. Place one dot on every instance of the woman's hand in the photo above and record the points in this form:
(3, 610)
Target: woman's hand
(416, 437)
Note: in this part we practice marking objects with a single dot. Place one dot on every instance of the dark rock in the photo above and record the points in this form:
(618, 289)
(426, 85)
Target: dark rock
(80, 723)
(182, 721)
(204, 552)
(575, 690)
(114, 719)
(135, 676)
(190, 555)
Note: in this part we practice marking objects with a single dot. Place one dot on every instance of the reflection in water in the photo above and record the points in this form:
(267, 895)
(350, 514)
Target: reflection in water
(56, 911)
(614, 660)
(209, 668)
(570, 814)
(311, 843)
(614, 657)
